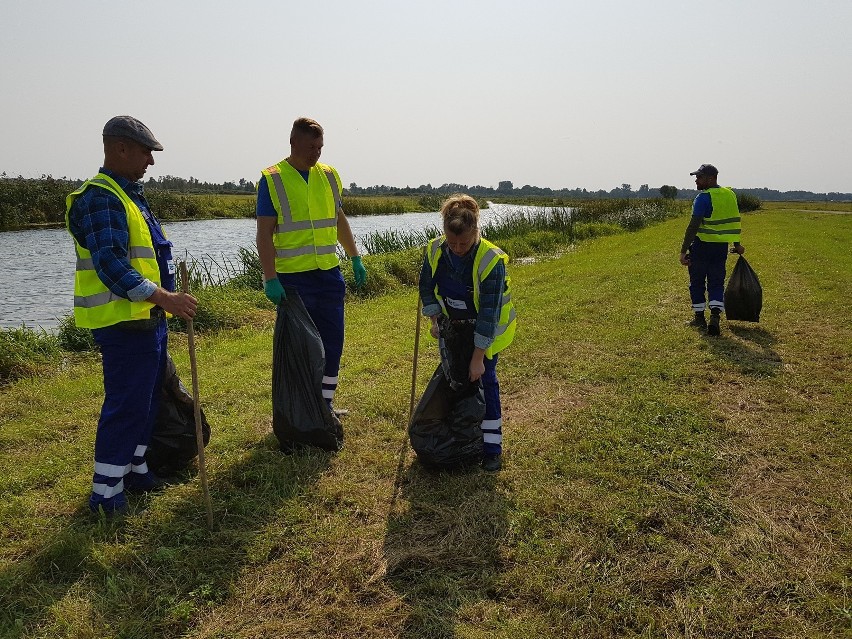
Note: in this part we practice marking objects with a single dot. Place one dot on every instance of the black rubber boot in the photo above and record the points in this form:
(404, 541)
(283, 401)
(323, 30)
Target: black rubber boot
(713, 326)
(698, 321)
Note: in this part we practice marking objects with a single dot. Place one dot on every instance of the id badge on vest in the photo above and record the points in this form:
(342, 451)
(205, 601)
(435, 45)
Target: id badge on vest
(459, 305)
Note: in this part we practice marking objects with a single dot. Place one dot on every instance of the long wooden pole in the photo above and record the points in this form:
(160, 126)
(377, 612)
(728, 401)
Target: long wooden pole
(416, 348)
(199, 435)
(414, 360)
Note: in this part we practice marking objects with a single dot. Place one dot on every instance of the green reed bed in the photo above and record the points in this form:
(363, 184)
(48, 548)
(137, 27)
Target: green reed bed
(26, 202)
(390, 205)
(37, 201)
(392, 240)
(534, 230)
(189, 206)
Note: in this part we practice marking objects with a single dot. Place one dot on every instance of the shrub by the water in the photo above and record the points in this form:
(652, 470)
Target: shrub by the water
(223, 307)
(25, 352)
(74, 339)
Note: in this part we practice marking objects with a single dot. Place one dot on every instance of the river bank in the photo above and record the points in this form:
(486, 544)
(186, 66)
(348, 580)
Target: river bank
(657, 481)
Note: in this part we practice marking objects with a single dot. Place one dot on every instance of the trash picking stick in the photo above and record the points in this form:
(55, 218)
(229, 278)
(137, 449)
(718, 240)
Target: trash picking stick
(199, 435)
(414, 361)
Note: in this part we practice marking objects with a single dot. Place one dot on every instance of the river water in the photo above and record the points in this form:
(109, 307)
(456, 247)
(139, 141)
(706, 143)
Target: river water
(37, 274)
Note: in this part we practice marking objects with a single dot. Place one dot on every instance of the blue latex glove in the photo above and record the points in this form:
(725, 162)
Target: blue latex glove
(359, 271)
(274, 291)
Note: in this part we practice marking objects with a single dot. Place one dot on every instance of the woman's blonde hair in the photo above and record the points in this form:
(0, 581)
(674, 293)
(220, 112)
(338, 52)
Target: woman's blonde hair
(460, 213)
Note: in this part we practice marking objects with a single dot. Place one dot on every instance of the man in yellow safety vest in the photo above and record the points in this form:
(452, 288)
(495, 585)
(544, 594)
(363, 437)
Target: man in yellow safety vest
(300, 221)
(715, 222)
(123, 288)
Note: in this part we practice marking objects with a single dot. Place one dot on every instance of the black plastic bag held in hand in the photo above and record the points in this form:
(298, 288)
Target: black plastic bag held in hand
(743, 294)
(300, 414)
(446, 428)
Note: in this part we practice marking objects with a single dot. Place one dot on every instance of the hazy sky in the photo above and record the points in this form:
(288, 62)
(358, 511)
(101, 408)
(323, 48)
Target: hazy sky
(549, 93)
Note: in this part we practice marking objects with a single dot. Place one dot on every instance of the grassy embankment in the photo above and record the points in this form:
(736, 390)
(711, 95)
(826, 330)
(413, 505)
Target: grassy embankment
(657, 482)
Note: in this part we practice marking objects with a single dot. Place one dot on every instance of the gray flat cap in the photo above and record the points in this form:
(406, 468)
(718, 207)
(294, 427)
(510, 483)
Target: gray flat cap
(124, 126)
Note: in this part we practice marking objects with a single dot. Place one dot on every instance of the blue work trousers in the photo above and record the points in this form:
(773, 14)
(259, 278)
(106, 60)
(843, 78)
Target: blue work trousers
(492, 425)
(707, 275)
(133, 367)
(322, 293)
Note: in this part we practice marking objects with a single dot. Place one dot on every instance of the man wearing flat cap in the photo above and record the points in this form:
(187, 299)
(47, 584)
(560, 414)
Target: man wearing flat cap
(123, 287)
(715, 222)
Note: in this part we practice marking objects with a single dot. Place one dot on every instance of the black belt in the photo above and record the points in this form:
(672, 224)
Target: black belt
(157, 315)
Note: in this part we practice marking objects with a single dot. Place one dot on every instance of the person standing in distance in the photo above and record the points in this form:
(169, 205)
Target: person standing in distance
(715, 222)
(123, 287)
(300, 220)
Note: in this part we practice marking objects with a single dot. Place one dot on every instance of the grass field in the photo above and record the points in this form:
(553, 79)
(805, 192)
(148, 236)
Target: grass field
(657, 482)
(839, 207)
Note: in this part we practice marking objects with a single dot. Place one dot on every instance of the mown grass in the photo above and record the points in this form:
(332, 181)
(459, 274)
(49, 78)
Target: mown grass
(658, 483)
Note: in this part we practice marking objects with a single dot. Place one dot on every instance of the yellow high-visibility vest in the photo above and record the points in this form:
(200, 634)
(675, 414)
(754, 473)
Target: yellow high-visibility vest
(95, 306)
(305, 237)
(486, 258)
(723, 225)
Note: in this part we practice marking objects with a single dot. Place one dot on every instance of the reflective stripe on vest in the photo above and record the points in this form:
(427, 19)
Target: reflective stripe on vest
(305, 235)
(723, 225)
(486, 258)
(95, 306)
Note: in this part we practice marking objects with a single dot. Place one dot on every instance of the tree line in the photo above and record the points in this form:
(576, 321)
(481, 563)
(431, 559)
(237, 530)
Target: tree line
(625, 191)
(29, 201)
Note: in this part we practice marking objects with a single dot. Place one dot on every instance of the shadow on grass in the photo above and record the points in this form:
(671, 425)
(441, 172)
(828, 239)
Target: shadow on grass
(749, 346)
(442, 546)
(152, 572)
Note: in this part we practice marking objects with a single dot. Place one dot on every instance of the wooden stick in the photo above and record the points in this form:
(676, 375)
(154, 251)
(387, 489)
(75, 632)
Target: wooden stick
(199, 435)
(416, 348)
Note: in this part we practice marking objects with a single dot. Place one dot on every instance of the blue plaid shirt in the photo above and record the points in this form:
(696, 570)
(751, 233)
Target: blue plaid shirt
(98, 222)
(490, 292)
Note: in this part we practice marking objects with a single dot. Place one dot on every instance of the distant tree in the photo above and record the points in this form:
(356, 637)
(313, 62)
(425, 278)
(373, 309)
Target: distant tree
(668, 192)
(504, 186)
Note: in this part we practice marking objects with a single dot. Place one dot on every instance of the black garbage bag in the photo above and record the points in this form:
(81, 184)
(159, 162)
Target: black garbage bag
(173, 441)
(300, 415)
(446, 428)
(743, 294)
(456, 347)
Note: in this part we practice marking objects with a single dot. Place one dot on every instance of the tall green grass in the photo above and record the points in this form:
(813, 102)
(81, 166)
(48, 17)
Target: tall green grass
(25, 352)
(375, 205)
(182, 206)
(548, 229)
